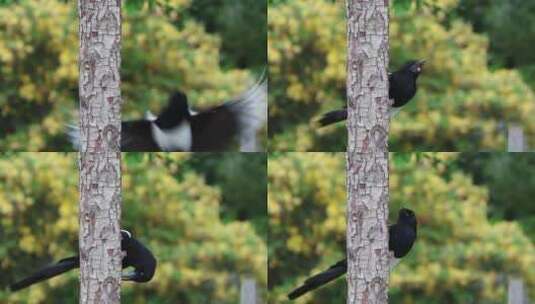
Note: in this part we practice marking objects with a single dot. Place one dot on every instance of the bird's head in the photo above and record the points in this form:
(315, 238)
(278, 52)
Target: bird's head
(414, 66)
(179, 101)
(406, 216)
(126, 236)
(177, 109)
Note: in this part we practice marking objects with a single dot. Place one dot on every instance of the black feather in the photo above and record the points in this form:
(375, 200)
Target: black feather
(333, 117)
(401, 89)
(320, 279)
(177, 128)
(175, 112)
(137, 136)
(47, 272)
(137, 256)
(401, 237)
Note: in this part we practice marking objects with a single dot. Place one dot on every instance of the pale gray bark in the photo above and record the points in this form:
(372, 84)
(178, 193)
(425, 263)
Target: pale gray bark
(100, 157)
(515, 291)
(248, 291)
(515, 139)
(367, 151)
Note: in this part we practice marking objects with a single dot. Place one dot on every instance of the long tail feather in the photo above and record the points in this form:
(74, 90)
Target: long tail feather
(329, 275)
(47, 272)
(332, 117)
(320, 279)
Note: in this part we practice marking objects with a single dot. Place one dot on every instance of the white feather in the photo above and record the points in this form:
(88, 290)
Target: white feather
(73, 132)
(150, 116)
(251, 110)
(177, 138)
(127, 232)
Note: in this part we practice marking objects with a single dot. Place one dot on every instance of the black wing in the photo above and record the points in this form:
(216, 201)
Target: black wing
(214, 129)
(400, 240)
(136, 135)
(219, 127)
(141, 258)
(401, 88)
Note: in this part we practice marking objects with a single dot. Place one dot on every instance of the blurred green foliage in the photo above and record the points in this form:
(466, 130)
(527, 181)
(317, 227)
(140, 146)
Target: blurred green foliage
(509, 26)
(459, 257)
(243, 197)
(39, 69)
(166, 205)
(511, 183)
(242, 26)
(461, 104)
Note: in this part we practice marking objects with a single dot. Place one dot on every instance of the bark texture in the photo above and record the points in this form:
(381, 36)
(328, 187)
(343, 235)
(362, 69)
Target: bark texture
(367, 151)
(100, 157)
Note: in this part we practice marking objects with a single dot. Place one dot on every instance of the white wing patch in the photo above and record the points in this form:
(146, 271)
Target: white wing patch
(177, 138)
(150, 116)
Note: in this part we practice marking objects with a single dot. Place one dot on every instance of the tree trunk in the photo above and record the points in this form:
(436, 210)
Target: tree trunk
(367, 151)
(248, 291)
(515, 293)
(100, 157)
(515, 138)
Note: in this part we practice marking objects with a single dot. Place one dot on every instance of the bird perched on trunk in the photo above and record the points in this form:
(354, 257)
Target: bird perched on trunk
(402, 88)
(179, 128)
(137, 256)
(401, 237)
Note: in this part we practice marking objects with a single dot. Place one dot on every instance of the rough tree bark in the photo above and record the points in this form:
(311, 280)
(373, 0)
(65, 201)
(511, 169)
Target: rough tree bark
(367, 151)
(99, 162)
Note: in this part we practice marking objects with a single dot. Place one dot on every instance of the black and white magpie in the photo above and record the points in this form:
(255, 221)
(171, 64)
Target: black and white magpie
(179, 128)
(402, 88)
(137, 256)
(401, 237)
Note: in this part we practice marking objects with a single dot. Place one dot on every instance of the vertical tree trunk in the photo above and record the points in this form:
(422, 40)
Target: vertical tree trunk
(248, 291)
(515, 292)
(515, 138)
(100, 166)
(367, 151)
